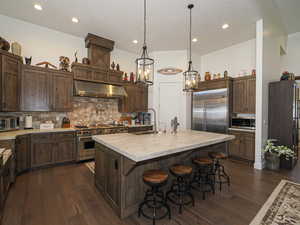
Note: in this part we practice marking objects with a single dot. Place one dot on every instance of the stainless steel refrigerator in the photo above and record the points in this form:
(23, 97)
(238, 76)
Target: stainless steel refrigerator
(210, 110)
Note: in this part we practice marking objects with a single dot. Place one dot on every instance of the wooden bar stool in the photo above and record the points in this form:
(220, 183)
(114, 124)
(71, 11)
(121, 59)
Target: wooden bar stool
(219, 170)
(204, 177)
(154, 206)
(180, 192)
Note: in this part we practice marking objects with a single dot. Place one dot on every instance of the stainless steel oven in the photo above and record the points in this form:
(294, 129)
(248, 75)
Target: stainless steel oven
(86, 148)
(243, 123)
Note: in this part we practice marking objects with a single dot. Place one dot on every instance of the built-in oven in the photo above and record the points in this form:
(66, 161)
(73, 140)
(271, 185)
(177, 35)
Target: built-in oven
(86, 148)
(243, 123)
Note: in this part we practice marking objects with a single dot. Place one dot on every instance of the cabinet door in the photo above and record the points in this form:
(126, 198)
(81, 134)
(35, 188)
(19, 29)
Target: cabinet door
(249, 147)
(113, 177)
(42, 150)
(234, 145)
(62, 92)
(35, 94)
(251, 95)
(239, 96)
(141, 98)
(83, 74)
(22, 153)
(65, 151)
(100, 172)
(10, 76)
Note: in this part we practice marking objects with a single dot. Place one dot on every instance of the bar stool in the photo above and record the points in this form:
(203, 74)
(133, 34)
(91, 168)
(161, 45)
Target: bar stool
(204, 177)
(154, 199)
(219, 170)
(180, 192)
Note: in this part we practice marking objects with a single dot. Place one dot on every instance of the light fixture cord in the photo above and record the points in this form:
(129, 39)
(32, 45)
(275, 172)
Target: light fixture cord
(145, 22)
(190, 35)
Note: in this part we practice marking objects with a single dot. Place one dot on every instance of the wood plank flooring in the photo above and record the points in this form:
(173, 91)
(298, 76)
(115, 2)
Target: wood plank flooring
(66, 195)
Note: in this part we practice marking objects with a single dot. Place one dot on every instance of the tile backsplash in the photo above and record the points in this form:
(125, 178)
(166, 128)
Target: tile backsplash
(85, 111)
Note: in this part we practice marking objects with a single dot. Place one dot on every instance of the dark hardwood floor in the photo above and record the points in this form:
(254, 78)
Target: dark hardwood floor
(66, 195)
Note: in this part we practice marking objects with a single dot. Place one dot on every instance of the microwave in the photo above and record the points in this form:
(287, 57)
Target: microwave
(243, 123)
(9, 123)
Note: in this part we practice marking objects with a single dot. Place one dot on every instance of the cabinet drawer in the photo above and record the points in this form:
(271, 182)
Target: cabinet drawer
(65, 136)
(41, 138)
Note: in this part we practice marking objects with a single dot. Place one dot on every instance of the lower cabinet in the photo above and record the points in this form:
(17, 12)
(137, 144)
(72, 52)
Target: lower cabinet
(243, 146)
(44, 149)
(108, 175)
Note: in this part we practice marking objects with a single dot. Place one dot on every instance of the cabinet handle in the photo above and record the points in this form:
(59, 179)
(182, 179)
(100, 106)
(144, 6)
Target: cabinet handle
(116, 165)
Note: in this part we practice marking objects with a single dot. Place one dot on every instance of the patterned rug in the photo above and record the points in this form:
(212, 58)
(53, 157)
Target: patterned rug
(91, 166)
(282, 207)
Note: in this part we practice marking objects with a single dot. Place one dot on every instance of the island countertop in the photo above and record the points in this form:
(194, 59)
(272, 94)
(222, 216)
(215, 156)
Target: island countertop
(149, 146)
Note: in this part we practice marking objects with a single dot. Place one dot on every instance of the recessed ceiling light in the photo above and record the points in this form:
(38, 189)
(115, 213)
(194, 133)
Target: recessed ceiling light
(38, 7)
(194, 40)
(75, 20)
(225, 26)
(135, 41)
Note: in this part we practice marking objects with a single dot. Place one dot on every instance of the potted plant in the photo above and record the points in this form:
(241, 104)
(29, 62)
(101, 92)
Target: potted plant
(287, 157)
(278, 156)
(271, 156)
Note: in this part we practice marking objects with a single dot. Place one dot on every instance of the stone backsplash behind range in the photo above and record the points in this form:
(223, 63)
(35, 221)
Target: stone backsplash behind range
(85, 110)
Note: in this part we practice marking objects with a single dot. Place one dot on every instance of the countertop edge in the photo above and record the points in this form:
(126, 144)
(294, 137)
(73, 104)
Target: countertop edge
(167, 152)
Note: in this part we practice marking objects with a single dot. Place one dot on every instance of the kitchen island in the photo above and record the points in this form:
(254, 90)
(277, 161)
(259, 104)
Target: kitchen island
(121, 159)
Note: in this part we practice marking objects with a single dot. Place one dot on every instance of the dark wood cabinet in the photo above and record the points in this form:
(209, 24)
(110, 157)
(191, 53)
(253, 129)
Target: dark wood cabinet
(244, 94)
(243, 146)
(96, 74)
(46, 90)
(23, 153)
(10, 69)
(52, 148)
(137, 99)
(62, 92)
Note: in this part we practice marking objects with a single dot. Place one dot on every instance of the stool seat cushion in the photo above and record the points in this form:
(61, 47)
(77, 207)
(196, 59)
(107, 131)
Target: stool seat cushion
(217, 155)
(203, 161)
(181, 170)
(155, 176)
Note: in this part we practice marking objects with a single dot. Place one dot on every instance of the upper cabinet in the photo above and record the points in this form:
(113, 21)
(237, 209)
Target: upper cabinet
(10, 67)
(244, 93)
(46, 90)
(137, 99)
(96, 74)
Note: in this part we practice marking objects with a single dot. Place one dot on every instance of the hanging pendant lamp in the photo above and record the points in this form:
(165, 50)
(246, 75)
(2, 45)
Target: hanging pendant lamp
(191, 77)
(144, 64)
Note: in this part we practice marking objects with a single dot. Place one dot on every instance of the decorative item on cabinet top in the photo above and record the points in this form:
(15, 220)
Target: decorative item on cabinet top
(4, 44)
(28, 60)
(16, 48)
(169, 71)
(47, 64)
(64, 63)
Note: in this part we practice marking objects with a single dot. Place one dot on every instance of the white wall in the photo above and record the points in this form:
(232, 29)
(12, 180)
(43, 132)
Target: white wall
(176, 59)
(291, 61)
(270, 38)
(45, 44)
(234, 59)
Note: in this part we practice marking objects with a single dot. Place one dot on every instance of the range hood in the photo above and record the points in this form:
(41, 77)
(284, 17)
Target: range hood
(98, 90)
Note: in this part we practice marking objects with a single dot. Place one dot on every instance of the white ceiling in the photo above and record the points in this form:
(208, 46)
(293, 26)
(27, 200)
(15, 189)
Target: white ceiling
(122, 20)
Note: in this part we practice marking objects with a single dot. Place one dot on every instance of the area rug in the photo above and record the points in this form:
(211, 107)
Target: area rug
(91, 166)
(282, 207)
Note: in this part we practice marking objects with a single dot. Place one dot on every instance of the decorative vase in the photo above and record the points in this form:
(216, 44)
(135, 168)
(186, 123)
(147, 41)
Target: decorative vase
(113, 65)
(86, 61)
(118, 67)
(207, 76)
(16, 48)
(272, 161)
(28, 60)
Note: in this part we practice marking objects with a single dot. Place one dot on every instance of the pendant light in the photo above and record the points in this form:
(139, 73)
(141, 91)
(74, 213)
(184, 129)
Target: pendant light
(144, 64)
(191, 77)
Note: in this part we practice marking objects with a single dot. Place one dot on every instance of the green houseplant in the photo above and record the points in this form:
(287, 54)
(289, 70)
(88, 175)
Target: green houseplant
(276, 155)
